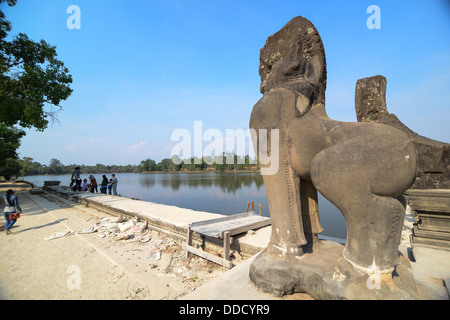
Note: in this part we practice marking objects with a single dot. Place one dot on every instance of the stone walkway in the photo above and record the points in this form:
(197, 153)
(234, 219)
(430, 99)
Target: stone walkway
(86, 266)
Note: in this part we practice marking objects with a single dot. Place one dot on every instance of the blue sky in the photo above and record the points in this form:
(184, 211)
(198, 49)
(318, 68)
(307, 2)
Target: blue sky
(143, 69)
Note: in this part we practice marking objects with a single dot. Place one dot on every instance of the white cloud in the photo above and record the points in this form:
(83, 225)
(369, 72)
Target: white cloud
(138, 147)
(75, 146)
(90, 144)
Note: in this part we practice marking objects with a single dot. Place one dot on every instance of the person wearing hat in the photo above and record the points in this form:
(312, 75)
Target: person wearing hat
(11, 207)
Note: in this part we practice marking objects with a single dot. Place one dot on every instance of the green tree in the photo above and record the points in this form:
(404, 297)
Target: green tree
(27, 166)
(36, 168)
(33, 83)
(9, 142)
(164, 165)
(10, 168)
(32, 80)
(56, 167)
(147, 165)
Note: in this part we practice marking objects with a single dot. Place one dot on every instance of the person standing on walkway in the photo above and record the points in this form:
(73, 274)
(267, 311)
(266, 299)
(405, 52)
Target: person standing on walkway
(104, 184)
(11, 207)
(76, 179)
(114, 184)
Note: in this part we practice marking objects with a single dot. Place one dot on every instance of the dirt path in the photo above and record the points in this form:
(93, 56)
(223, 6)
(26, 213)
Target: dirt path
(151, 265)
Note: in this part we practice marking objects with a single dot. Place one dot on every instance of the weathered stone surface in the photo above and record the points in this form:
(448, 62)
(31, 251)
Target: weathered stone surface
(36, 191)
(370, 99)
(52, 183)
(295, 52)
(433, 157)
(432, 210)
(318, 275)
(362, 168)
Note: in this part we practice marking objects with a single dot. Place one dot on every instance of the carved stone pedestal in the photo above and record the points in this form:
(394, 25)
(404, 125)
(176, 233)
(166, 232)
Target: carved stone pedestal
(324, 274)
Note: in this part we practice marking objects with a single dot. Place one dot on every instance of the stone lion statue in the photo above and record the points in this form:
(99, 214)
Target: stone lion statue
(362, 168)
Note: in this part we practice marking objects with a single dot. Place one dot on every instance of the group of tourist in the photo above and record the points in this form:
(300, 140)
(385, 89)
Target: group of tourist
(12, 210)
(106, 186)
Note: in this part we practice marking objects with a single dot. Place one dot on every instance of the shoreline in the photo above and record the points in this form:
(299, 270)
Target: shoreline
(89, 199)
(144, 172)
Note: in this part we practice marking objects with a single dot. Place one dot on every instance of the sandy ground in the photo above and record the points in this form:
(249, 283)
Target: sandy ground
(150, 265)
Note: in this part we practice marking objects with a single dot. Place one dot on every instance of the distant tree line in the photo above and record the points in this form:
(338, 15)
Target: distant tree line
(224, 163)
(28, 167)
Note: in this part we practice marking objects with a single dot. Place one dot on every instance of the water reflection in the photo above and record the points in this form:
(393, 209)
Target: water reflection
(224, 193)
(227, 182)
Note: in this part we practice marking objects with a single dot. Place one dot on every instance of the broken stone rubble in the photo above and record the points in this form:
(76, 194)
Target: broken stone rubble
(164, 253)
